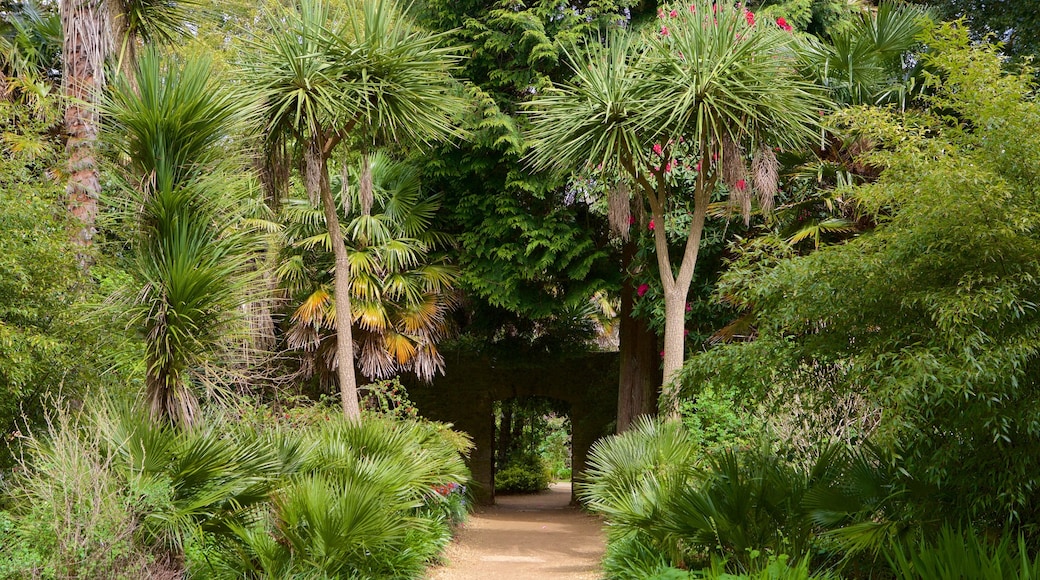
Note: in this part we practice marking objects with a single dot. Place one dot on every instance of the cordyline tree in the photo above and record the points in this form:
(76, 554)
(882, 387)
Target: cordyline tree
(364, 77)
(709, 89)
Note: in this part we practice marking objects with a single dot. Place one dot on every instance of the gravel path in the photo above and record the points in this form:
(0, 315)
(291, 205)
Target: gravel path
(527, 537)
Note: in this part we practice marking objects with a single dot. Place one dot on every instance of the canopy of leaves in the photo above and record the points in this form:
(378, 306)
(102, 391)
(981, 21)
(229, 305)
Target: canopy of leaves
(934, 313)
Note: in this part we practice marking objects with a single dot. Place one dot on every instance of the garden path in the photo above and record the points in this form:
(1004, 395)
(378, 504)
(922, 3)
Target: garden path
(527, 537)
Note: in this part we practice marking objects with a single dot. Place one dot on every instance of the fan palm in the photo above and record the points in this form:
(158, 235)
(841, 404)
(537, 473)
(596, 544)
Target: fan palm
(401, 288)
(191, 253)
(366, 75)
(708, 85)
(30, 45)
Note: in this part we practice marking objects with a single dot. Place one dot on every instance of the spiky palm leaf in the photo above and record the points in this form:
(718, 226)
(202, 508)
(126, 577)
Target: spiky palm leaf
(191, 257)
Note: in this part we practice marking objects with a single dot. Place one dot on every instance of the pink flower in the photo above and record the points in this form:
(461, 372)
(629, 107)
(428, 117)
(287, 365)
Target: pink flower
(688, 307)
(693, 8)
(664, 31)
(658, 150)
(698, 167)
(662, 354)
(651, 226)
(642, 289)
(741, 185)
(631, 220)
(668, 167)
(750, 17)
(673, 14)
(782, 23)
(660, 12)
(686, 332)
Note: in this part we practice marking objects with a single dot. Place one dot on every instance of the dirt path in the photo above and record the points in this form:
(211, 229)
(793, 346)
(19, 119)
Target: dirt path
(527, 537)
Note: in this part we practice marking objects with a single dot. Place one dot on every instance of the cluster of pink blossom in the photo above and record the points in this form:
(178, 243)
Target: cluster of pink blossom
(749, 16)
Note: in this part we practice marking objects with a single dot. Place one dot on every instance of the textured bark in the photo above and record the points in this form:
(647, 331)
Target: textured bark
(85, 25)
(640, 373)
(344, 340)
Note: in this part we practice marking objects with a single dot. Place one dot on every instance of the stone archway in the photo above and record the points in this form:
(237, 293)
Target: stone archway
(470, 385)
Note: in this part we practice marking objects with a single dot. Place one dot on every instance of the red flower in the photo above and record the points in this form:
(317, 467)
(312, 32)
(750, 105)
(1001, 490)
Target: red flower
(631, 220)
(741, 185)
(664, 31)
(698, 167)
(782, 23)
(642, 289)
(658, 150)
(673, 14)
(651, 225)
(750, 17)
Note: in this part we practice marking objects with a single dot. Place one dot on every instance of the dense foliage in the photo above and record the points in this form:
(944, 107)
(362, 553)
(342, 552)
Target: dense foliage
(111, 494)
(913, 346)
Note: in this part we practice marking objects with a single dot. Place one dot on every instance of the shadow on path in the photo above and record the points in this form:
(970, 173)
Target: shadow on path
(527, 537)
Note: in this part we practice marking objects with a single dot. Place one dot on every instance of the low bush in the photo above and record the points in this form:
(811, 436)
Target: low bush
(524, 473)
(111, 494)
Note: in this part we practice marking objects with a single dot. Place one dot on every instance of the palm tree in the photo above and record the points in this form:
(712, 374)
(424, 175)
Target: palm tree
(191, 253)
(706, 87)
(401, 289)
(92, 31)
(366, 77)
(87, 43)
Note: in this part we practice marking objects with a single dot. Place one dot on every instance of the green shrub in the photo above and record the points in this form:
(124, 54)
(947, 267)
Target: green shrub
(74, 512)
(112, 494)
(524, 473)
(955, 554)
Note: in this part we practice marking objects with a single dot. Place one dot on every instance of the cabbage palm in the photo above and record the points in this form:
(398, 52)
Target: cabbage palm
(709, 85)
(191, 252)
(364, 76)
(401, 288)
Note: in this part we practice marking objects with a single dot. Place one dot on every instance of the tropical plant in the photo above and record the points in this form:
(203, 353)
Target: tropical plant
(402, 286)
(191, 251)
(939, 326)
(369, 77)
(356, 506)
(704, 86)
(963, 553)
(30, 49)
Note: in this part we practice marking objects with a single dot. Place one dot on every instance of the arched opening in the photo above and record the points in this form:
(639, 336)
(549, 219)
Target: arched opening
(532, 443)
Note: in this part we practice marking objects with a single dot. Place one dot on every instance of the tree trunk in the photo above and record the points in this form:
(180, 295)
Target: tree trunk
(677, 287)
(87, 43)
(344, 340)
(639, 375)
(674, 345)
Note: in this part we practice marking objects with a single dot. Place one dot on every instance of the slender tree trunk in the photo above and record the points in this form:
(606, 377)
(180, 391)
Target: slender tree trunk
(344, 340)
(639, 375)
(87, 42)
(677, 286)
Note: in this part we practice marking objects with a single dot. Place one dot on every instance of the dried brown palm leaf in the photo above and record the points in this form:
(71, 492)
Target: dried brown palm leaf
(313, 165)
(734, 168)
(365, 193)
(765, 174)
